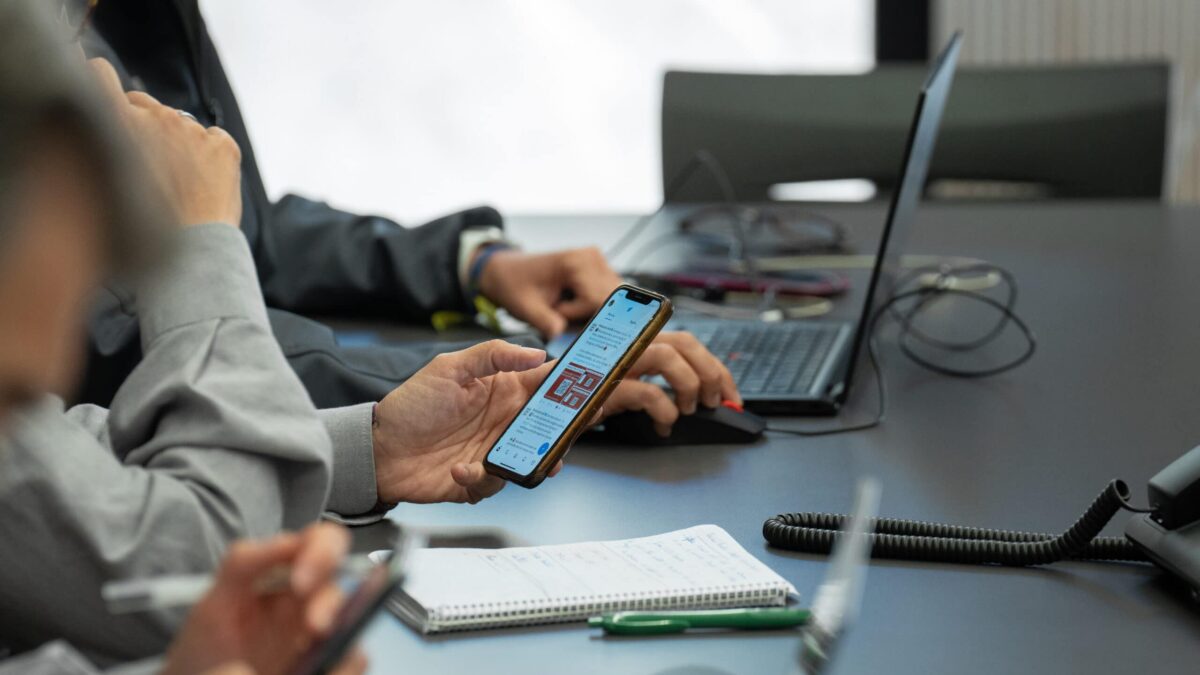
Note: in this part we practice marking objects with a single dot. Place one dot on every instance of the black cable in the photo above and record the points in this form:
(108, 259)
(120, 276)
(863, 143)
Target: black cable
(906, 332)
(741, 217)
(833, 240)
(700, 158)
(778, 221)
(880, 388)
(933, 542)
(655, 244)
(944, 274)
(709, 161)
(945, 277)
(925, 296)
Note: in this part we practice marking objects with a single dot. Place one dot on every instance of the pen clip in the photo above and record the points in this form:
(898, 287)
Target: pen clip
(661, 625)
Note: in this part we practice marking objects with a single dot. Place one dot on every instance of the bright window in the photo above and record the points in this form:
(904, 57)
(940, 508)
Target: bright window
(412, 109)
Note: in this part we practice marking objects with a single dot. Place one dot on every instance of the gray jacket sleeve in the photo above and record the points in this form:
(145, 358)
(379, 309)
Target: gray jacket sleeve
(354, 499)
(211, 438)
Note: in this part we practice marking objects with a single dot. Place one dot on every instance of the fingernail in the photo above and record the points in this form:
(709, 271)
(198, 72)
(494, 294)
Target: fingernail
(713, 401)
(690, 408)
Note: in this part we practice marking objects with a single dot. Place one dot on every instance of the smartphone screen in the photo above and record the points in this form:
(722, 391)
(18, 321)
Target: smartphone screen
(575, 378)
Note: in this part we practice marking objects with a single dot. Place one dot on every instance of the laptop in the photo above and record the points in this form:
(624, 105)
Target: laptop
(806, 367)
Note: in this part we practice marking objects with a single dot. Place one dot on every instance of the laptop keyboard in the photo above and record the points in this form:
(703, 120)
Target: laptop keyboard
(769, 358)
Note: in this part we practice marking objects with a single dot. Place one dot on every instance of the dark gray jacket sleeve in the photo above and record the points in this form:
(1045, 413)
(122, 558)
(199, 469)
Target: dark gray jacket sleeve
(315, 258)
(211, 438)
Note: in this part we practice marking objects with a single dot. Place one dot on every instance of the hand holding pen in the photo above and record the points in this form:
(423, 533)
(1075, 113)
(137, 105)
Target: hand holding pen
(237, 622)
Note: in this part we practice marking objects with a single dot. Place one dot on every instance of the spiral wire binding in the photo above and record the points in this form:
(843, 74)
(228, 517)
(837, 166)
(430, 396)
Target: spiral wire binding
(557, 610)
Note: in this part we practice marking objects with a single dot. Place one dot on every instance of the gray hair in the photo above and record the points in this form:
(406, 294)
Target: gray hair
(43, 82)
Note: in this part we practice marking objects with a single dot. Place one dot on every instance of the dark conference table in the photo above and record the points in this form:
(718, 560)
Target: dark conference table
(1111, 290)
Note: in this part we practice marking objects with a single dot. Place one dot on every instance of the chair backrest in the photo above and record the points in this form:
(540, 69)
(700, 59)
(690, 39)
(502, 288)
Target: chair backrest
(1095, 131)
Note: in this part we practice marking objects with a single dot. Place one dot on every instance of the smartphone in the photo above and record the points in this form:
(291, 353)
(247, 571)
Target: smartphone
(567, 400)
(357, 611)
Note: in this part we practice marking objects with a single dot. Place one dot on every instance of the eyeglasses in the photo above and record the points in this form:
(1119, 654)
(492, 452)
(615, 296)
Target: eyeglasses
(76, 15)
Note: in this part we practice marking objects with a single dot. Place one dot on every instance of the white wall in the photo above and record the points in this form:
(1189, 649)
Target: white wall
(413, 108)
(1081, 31)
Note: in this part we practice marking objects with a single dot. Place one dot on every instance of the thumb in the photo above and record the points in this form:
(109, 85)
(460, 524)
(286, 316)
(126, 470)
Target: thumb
(491, 357)
(537, 312)
(476, 481)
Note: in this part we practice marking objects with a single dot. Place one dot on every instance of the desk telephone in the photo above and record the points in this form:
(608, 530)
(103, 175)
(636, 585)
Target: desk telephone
(1170, 534)
(1167, 534)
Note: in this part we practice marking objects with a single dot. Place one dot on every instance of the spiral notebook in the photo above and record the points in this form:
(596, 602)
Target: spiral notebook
(467, 589)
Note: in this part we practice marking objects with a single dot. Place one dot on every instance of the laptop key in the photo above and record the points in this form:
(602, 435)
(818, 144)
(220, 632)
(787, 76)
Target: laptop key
(770, 358)
(818, 354)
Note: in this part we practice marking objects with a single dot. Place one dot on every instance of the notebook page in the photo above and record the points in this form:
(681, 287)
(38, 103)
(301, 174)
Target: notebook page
(685, 561)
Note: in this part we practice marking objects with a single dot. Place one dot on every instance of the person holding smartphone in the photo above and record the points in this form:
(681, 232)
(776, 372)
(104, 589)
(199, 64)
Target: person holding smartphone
(236, 624)
(66, 213)
(236, 629)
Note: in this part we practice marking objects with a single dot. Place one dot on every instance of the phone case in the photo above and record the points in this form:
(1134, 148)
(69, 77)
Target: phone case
(588, 411)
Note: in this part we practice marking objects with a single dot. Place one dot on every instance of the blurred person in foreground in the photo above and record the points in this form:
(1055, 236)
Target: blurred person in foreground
(236, 629)
(68, 213)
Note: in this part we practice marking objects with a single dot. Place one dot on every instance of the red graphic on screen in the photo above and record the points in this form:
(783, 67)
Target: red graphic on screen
(574, 385)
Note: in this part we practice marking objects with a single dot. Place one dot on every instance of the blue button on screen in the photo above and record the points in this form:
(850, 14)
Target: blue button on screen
(544, 447)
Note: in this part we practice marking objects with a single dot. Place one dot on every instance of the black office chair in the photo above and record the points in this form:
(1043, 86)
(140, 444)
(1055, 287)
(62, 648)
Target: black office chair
(1044, 132)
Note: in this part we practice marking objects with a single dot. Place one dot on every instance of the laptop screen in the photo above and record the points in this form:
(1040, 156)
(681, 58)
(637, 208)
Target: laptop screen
(917, 153)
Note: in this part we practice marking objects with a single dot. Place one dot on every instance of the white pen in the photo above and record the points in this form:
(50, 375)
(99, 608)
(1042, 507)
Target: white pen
(184, 590)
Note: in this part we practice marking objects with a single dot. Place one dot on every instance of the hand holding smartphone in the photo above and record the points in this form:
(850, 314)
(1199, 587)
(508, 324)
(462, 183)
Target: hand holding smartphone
(567, 400)
(360, 608)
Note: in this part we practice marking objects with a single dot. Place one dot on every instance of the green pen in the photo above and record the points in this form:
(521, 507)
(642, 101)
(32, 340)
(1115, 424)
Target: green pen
(661, 623)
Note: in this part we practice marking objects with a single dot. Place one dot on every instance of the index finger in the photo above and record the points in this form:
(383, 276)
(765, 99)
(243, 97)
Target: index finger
(489, 358)
(475, 481)
(716, 382)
